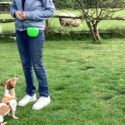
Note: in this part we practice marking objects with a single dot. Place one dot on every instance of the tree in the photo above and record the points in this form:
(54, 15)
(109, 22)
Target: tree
(64, 4)
(93, 11)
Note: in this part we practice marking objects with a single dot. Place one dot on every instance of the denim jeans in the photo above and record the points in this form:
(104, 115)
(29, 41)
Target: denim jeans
(31, 54)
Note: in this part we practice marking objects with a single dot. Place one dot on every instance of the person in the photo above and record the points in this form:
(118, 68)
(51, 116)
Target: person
(32, 14)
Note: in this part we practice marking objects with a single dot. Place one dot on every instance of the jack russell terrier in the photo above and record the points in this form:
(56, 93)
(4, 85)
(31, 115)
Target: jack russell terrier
(8, 104)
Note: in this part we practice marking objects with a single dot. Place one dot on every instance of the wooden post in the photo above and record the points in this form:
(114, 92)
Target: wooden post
(0, 29)
(47, 26)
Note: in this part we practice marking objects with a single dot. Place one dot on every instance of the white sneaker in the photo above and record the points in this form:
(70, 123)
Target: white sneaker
(41, 103)
(27, 99)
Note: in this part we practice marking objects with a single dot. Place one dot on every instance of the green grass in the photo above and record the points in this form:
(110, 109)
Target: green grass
(104, 25)
(86, 81)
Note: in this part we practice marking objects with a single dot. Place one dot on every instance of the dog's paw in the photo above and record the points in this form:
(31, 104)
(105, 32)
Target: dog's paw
(4, 123)
(15, 117)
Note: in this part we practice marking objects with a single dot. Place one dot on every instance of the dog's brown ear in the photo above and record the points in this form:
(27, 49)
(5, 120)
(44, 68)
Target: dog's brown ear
(9, 86)
(12, 82)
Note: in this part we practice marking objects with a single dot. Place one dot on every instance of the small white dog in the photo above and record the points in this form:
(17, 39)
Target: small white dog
(8, 104)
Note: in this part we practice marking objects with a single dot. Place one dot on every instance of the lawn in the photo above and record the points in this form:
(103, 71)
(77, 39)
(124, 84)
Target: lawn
(86, 81)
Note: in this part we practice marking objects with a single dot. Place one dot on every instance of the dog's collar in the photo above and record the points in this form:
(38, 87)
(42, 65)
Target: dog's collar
(6, 99)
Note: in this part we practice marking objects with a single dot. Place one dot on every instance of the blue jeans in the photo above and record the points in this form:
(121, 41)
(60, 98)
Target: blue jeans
(30, 50)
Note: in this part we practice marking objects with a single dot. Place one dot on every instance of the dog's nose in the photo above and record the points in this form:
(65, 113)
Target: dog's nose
(16, 78)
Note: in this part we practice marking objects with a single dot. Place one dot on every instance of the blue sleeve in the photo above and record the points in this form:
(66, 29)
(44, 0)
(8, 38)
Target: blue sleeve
(37, 15)
(13, 8)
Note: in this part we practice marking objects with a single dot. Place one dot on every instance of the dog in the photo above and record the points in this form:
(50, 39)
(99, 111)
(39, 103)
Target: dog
(4, 110)
(8, 104)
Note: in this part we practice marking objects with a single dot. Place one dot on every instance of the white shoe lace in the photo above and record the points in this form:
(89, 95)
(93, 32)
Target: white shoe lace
(42, 100)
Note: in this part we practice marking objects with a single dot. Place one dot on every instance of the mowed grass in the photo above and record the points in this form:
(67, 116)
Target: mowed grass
(55, 24)
(86, 82)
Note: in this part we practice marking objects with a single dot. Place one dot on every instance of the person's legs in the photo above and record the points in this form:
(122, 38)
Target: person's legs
(36, 52)
(23, 47)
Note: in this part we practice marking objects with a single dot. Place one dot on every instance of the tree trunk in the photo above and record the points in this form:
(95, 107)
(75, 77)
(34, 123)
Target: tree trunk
(94, 32)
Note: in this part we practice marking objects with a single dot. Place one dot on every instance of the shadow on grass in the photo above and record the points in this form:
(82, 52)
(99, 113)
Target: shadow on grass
(6, 39)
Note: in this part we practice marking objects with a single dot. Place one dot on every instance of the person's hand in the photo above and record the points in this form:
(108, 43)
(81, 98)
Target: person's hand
(23, 15)
(19, 15)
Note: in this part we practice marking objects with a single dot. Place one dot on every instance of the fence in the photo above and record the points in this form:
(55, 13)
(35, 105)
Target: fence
(4, 5)
(8, 24)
